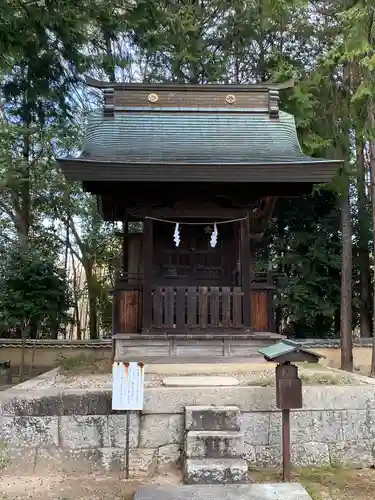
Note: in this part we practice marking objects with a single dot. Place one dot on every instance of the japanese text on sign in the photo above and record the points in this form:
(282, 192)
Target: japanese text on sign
(127, 386)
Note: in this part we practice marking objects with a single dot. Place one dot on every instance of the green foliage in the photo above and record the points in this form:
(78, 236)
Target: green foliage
(46, 49)
(40, 44)
(33, 292)
(304, 245)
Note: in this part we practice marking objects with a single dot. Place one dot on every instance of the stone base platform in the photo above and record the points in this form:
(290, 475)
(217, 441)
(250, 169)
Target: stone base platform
(73, 427)
(285, 491)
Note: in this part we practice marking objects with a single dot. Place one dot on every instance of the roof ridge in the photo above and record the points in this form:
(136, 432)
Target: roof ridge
(200, 87)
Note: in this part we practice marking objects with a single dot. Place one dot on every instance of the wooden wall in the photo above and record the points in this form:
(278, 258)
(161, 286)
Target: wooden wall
(128, 311)
(259, 311)
(187, 98)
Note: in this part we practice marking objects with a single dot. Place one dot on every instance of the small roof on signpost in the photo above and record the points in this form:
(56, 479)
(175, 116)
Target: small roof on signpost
(289, 351)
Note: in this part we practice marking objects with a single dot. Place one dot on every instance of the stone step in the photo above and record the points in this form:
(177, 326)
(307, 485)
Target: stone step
(212, 418)
(281, 491)
(214, 444)
(215, 471)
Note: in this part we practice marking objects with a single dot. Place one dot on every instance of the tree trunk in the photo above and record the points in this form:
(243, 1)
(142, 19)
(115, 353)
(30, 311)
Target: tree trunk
(109, 66)
(66, 261)
(372, 173)
(76, 297)
(364, 259)
(346, 282)
(22, 199)
(92, 295)
(88, 266)
(261, 69)
(21, 373)
(31, 367)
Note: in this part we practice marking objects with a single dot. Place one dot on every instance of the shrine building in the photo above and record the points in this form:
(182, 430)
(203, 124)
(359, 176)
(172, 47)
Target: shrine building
(193, 173)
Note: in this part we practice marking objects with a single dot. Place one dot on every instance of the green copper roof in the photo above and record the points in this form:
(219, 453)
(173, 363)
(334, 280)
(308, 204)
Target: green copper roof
(160, 136)
(191, 145)
(285, 347)
(275, 350)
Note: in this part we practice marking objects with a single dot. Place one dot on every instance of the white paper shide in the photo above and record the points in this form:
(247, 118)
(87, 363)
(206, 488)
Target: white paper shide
(128, 386)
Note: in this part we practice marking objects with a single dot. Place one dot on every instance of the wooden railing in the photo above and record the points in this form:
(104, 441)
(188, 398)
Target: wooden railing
(184, 308)
(189, 308)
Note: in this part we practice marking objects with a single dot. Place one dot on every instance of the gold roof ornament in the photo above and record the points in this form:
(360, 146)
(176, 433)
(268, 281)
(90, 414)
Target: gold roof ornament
(230, 99)
(153, 98)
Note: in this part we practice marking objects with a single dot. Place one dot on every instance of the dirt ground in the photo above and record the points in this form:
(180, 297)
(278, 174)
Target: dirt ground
(322, 484)
(70, 487)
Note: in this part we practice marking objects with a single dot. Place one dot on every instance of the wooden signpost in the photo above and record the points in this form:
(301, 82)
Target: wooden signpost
(288, 387)
(127, 395)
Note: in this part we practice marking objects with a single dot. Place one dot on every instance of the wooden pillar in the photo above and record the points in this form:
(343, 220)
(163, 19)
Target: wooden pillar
(246, 272)
(125, 247)
(148, 252)
(270, 303)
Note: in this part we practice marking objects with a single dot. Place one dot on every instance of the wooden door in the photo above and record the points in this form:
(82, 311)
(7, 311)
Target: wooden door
(194, 262)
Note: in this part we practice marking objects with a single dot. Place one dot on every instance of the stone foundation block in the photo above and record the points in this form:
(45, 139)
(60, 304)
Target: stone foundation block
(86, 402)
(160, 430)
(213, 444)
(79, 461)
(26, 461)
(316, 426)
(352, 453)
(117, 430)
(310, 455)
(357, 424)
(268, 456)
(143, 462)
(80, 432)
(34, 432)
(215, 471)
(212, 418)
(169, 454)
(256, 428)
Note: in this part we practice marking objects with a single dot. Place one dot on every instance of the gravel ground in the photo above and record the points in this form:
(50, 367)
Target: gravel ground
(70, 487)
(261, 374)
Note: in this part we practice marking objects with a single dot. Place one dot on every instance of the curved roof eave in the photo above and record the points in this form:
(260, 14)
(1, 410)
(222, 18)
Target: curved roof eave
(205, 146)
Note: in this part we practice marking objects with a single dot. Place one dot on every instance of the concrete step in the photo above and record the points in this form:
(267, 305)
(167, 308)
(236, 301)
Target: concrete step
(214, 444)
(215, 471)
(212, 418)
(281, 491)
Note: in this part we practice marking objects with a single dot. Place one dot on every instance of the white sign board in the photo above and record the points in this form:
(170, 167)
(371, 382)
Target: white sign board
(127, 386)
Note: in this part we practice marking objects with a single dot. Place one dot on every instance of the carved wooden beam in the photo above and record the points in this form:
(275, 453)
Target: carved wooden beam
(265, 208)
(260, 217)
(199, 213)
